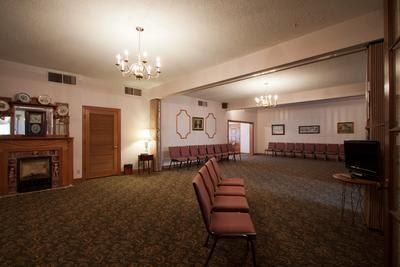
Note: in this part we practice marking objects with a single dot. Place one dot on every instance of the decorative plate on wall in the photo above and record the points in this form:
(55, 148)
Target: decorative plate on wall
(44, 99)
(62, 110)
(23, 97)
(4, 106)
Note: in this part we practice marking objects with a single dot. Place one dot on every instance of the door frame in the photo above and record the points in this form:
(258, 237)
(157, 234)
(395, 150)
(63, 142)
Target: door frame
(85, 136)
(251, 145)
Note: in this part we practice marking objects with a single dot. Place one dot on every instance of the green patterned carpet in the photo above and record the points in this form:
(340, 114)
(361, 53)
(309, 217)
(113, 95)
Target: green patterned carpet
(155, 221)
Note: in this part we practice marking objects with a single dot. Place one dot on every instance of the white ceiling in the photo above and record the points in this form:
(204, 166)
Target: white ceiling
(83, 37)
(328, 73)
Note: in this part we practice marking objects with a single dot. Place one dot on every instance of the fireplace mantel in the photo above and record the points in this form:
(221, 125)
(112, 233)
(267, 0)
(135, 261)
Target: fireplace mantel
(10, 146)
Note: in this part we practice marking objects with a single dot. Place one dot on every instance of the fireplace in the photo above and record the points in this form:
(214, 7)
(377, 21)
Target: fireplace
(33, 173)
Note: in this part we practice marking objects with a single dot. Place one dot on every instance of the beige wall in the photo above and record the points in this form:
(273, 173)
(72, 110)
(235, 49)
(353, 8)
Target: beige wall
(324, 113)
(16, 78)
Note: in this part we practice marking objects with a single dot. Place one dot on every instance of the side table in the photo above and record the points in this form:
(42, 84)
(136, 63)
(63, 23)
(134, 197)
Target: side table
(142, 160)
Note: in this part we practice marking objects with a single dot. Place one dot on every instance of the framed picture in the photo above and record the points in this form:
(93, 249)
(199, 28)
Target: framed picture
(278, 129)
(197, 124)
(345, 127)
(309, 129)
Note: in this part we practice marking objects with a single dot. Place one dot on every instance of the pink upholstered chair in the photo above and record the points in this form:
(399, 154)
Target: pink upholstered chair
(185, 153)
(280, 148)
(320, 150)
(217, 151)
(231, 151)
(220, 190)
(194, 152)
(223, 224)
(341, 152)
(309, 150)
(332, 150)
(225, 151)
(203, 152)
(299, 149)
(210, 151)
(221, 179)
(289, 149)
(175, 156)
(270, 149)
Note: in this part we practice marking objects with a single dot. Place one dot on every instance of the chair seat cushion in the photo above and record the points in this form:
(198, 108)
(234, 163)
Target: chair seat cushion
(180, 159)
(192, 158)
(230, 203)
(230, 191)
(231, 223)
(232, 182)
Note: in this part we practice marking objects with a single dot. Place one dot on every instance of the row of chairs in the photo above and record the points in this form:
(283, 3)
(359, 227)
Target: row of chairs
(223, 206)
(306, 150)
(197, 153)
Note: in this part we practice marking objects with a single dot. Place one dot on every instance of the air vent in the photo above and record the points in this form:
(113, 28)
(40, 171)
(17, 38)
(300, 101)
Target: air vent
(224, 105)
(202, 103)
(133, 91)
(61, 78)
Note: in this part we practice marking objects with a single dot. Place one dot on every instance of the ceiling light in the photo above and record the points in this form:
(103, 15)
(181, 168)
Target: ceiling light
(266, 100)
(139, 69)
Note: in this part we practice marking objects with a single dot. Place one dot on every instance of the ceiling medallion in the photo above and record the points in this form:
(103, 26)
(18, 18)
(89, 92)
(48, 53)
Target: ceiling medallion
(139, 69)
(266, 100)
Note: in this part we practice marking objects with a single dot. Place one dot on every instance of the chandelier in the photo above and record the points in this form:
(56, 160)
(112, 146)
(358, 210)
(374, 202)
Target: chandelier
(266, 100)
(139, 69)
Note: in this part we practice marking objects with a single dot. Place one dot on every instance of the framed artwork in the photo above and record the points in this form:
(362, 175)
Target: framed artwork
(278, 129)
(345, 127)
(197, 124)
(309, 129)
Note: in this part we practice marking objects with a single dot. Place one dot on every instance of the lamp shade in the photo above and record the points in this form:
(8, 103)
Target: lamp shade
(146, 134)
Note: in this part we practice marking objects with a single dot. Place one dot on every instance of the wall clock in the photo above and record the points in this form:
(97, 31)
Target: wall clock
(35, 123)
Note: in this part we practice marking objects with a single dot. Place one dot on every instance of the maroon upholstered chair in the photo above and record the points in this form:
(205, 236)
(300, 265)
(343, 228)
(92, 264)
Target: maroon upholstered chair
(225, 151)
(194, 152)
(223, 202)
(341, 152)
(185, 153)
(332, 150)
(217, 151)
(320, 150)
(225, 181)
(175, 156)
(203, 152)
(234, 152)
(289, 149)
(210, 151)
(299, 149)
(270, 149)
(309, 150)
(280, 148)
(223, 224)
(220, 190)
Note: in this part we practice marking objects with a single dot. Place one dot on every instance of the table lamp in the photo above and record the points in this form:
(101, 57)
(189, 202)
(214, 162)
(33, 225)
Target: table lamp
(147, 138)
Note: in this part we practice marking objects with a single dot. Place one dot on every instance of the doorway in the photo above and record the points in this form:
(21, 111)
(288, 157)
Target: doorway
(101, 141)
(241, 136)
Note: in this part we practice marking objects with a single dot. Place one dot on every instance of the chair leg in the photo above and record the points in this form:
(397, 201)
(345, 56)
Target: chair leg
(212, 251)
(208, 238)
(170, 164)
(253, 251)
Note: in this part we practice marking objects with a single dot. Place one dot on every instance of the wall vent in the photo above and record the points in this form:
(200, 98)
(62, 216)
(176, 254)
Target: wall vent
(202, 103)
(133, 91)
(61, 78)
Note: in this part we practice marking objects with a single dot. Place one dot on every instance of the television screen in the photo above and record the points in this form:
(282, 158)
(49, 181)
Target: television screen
(362, 158)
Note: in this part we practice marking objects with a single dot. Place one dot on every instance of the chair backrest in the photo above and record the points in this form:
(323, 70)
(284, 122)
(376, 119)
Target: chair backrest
(212, 173)
(271, 145)
(289, 147)
(231, 148)
(208, 183)
(333, 148)
(280, 146)
(210, 149)
(299, 147)
(202, 150)
(185, 152)
(320, 148)
(309, 147)
(203, 200)
(217, 148)
(174, 152)
(216, 168)
(194, 151)
(341, 149)
(224, 148)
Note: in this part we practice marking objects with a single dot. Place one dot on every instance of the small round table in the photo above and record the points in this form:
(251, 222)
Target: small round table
(356, 184)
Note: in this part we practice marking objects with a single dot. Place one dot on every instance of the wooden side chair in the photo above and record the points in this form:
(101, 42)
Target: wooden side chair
(223, 224)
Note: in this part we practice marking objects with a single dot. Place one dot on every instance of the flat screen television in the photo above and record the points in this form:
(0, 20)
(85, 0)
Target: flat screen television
(362, 158)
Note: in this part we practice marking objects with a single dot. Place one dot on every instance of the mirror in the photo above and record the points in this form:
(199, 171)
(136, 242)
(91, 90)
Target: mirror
(20, 119)
(5, 125)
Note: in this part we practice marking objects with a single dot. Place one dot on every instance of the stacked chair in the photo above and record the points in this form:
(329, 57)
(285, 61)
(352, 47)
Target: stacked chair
(223, 206)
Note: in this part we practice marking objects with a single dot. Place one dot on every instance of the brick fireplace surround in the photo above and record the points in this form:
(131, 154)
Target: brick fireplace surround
(60, 149)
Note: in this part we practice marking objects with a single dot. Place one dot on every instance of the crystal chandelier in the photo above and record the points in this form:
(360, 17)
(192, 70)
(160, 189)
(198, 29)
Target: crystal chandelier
(139, 69)
(266, 100)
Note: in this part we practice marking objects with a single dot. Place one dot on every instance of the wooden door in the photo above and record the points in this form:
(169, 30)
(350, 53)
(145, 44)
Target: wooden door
(101, 141)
